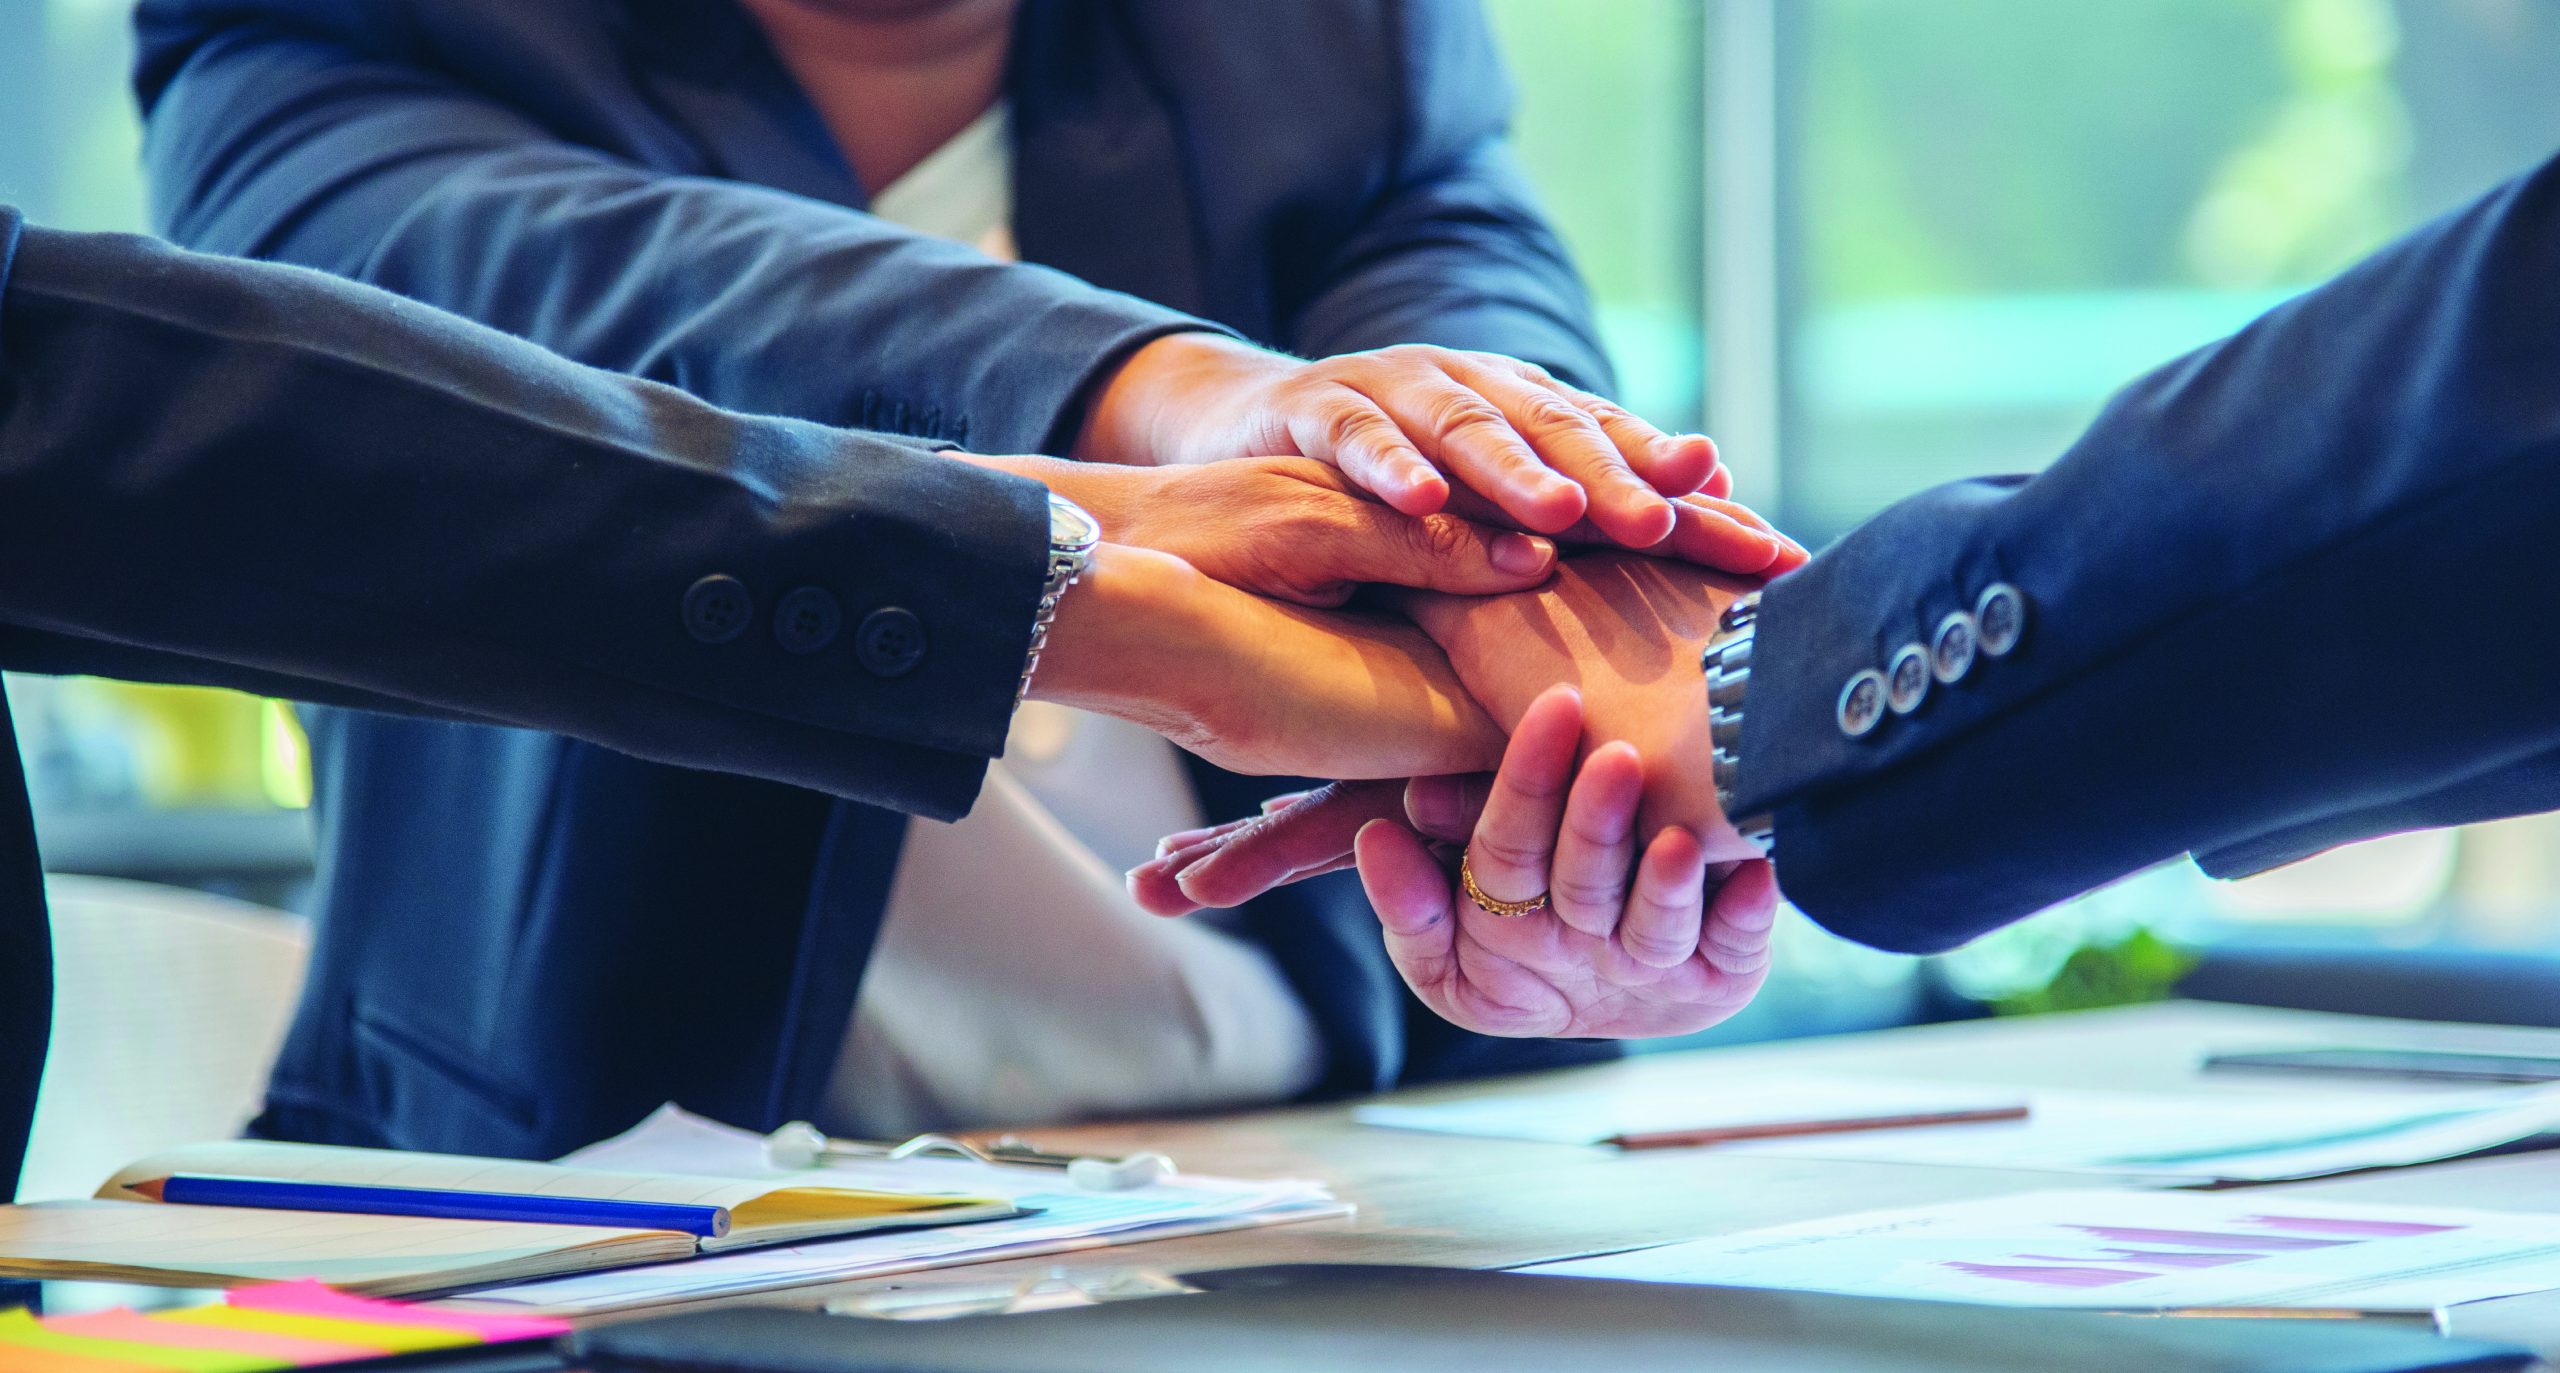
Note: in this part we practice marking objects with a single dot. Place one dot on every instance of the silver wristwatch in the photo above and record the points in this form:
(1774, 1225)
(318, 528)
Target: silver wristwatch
(1727, 663)
(1072, 536)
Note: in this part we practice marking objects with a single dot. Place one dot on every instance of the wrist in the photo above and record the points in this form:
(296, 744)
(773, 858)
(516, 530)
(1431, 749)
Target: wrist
(1125, 637)
(1141, 415)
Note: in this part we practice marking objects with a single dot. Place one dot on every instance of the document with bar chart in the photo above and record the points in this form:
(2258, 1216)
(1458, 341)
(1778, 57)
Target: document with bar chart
(2129, 1251)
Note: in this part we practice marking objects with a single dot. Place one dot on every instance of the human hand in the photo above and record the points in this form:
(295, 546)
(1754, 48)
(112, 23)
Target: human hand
(1677, 949)
(1627, 629)
(1298, 530)
(1403, 423)
(1254, 685)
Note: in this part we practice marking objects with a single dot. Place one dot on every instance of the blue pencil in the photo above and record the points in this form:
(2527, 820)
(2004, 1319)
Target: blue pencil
(277, 1194)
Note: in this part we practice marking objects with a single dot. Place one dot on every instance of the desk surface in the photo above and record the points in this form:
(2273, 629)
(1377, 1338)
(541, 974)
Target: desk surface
(1498, 1203)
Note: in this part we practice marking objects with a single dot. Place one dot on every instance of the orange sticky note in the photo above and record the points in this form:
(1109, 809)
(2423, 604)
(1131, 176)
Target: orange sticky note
(319, 1299)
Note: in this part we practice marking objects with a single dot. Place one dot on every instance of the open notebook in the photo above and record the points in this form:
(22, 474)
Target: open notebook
(125, 1236)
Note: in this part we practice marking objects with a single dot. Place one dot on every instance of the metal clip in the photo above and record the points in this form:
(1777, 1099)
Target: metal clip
(803, 1145)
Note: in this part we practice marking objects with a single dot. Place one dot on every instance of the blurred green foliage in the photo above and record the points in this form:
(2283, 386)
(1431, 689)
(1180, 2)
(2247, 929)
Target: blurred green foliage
(2138, 967)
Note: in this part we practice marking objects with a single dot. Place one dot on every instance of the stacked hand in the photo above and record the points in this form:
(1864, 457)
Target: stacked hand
(1427, 430)
(1627, 632)
(1211, 615)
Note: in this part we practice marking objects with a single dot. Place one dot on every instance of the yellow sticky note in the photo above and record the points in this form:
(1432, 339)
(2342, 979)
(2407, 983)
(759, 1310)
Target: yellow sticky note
(26, 1346)
(390, 1339)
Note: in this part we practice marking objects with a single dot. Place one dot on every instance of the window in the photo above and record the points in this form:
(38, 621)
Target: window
(1937, 234)
(195, 786)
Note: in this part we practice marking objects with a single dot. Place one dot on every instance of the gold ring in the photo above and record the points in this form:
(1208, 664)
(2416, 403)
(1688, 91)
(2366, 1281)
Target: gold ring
(1494, 905)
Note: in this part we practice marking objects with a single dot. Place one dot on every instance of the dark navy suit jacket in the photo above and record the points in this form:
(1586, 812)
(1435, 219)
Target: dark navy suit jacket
(2297, 588)
(530, 942)
(265, 478)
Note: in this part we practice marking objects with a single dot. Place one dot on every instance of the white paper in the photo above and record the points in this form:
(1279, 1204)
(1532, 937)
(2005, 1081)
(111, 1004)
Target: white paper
(2128, 1251)
(1591, 1117)
(2195, 1139)
(1069, 1219)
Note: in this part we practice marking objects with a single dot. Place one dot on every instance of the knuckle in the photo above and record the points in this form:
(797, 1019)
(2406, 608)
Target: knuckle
(1461, 415)
(1361, 430)
(1505, 852)
(1546, 410)
(1590, 892)
(1439, 538)
(1654, 946)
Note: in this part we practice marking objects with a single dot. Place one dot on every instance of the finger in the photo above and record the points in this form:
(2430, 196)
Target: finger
(1622, 504)
(1719, 482)
(1671, 464)
(1153, 885)
(1597, 847)
(1339, 425)
(1741, 917)
(1515, 839)
(1283, 847)
(1729, 538)
(1369, 542)
(1176, 843)
(1669, 903)
(1411, 893)
(1445, 808)
(1473, 440)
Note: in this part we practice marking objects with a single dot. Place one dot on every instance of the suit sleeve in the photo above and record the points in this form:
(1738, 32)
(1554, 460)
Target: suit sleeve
(302, 135)
(259, 476)
(1455, 250)
(2294, 588)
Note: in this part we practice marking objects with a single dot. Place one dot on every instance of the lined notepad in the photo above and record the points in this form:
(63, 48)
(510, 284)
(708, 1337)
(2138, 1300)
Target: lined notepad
(123, 1236)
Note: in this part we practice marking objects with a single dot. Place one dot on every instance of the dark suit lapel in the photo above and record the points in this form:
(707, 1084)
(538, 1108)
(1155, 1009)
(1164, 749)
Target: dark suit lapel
(26, 963)
(1101, 189)
(707, 67)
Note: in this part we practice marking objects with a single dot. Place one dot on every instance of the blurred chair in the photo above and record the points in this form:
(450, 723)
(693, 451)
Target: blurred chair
(169, 1008)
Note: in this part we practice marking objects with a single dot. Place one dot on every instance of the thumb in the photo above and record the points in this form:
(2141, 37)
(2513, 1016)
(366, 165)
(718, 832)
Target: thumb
(1373, 543)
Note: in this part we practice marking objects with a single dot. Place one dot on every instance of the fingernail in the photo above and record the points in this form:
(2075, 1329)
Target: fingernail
(1522, 555)
(1431, 805)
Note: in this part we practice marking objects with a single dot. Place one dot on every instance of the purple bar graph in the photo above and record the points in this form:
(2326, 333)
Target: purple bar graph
(2056, 1275)
(2369, 1229)
(2207, 1239)
(2150, 1258)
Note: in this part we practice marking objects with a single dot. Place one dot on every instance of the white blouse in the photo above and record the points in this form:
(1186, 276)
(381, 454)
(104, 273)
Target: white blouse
(1015, 982)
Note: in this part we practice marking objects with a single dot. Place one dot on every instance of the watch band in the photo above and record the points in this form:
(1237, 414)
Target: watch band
(1726, 661)
(1072, 536)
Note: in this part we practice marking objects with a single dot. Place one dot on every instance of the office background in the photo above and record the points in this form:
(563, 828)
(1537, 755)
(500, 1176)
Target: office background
(1869, 244)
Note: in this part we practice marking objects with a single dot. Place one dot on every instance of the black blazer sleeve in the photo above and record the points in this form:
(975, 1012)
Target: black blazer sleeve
(298, 132)
(2293, 589)
(259, 476)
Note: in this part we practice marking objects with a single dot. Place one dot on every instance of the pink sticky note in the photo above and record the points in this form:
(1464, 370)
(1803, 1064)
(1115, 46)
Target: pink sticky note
(136, 1328)
(308, 1298)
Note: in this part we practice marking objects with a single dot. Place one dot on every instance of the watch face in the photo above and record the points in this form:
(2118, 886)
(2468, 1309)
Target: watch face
(1070, 528)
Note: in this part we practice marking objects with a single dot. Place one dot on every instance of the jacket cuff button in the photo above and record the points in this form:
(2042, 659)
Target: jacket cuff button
(718, 609)
(1862, 704)
(890, 642)
(2000, 618)
(807, 620)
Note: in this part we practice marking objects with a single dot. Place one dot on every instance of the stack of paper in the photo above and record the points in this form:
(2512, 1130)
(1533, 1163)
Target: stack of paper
(2133, 1251)
(1602, 1116)
(1067, 1219)
(2172, 1139)
(2184, 1140)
